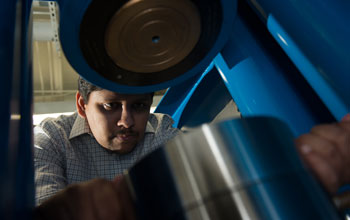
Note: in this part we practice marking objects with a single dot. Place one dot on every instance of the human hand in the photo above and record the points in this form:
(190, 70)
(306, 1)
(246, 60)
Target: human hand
(326, 149)
(95, 199)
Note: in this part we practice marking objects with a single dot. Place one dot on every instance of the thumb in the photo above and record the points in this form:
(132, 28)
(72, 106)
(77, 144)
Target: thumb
(346, 117)
(118, 179)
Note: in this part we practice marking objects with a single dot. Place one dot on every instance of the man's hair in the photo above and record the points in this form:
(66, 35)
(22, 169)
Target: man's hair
(85, 88)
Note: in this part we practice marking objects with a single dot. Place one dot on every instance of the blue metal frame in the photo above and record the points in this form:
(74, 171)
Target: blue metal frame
(261, 78)
(338, 102)
(179, 96)
(315, 35)
(16, 168)
(7, 11)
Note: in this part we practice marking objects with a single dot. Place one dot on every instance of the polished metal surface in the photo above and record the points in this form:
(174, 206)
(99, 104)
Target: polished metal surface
(151, 36)
(238, 169)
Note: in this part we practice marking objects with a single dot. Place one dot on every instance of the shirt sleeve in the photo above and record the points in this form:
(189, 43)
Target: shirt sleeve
(49, 163)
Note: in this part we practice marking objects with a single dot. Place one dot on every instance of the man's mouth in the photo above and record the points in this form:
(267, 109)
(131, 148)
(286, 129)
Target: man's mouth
(126, 136)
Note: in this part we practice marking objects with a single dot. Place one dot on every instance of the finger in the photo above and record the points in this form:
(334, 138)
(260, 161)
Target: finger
(310, 144)
(324, 172)
(323, 158)
(339, 134)
(117, 179)
(106, 202)
(345, 124)
(317, 144)
(346, 117)
(333, 133)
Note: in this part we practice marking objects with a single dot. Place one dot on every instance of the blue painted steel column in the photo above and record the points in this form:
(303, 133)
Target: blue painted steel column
(315, 35)
(177, 97)
(7, 30)
(262, 80)
(16, 162)
(197, 101)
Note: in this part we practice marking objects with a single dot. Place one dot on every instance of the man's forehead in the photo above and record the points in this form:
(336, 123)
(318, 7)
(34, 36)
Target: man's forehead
(110, 95)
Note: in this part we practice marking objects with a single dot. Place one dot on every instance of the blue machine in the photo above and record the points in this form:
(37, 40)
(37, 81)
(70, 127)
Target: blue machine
(87, 26)
(268, 72)
(283, 59)
(16, 169)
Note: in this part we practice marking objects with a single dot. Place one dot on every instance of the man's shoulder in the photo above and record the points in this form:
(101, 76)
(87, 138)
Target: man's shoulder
(162, 125)
(159, 120)
(63, 123)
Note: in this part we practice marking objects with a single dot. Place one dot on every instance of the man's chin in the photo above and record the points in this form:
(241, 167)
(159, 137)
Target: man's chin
(122, 148)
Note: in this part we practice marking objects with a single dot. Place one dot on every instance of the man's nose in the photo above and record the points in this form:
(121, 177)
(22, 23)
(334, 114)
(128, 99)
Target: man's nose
(126, 118)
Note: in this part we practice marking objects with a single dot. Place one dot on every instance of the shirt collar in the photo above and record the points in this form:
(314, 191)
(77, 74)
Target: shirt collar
(81, 126)
(149, 127)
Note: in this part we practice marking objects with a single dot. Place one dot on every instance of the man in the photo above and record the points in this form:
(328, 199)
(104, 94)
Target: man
(107, 135)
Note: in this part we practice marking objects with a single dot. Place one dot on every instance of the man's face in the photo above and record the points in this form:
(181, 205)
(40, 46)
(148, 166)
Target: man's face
(117, 121)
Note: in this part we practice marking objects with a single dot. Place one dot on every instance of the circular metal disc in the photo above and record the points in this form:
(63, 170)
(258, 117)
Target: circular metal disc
(134, 46)
(153, 35)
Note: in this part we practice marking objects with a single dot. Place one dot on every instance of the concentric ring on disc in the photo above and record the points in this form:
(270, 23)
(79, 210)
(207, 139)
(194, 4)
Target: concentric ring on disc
(153, 35)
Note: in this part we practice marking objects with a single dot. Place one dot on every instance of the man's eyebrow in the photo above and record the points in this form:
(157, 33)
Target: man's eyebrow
(118, 99)
(110, 99)
(144, 99)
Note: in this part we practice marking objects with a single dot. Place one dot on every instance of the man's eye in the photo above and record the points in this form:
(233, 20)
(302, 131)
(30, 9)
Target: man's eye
(140, 106)
(110, 106)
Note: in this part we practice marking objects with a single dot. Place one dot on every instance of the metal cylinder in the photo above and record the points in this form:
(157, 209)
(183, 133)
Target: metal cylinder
(238, 169)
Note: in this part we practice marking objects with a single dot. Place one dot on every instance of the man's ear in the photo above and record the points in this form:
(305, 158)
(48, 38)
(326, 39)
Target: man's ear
(80, 104)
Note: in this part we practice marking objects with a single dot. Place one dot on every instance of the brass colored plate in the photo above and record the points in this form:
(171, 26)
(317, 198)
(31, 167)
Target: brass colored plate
(153, 35)
(149, 42)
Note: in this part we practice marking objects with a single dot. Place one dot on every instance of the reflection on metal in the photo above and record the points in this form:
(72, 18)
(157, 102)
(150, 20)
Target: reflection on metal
(238, 169)
(193, 183)
(15, 117)
(224, 169)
